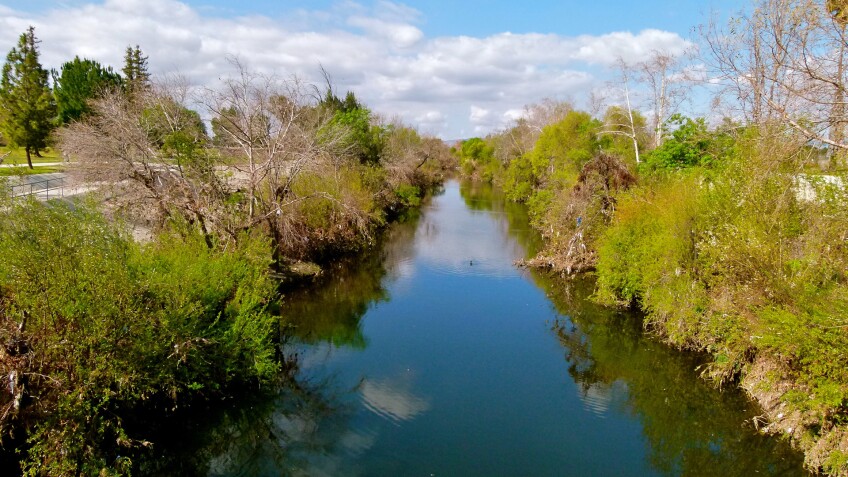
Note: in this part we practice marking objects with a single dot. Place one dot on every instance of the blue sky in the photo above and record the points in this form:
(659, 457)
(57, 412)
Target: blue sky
(482, 18)
(447, 66)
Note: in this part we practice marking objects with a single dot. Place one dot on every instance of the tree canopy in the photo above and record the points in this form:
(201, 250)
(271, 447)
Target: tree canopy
(78, 82)
(136, 76)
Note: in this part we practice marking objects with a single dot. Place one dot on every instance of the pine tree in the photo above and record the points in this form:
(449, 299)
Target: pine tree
(27, 108)
(136, 76)
(78, 82)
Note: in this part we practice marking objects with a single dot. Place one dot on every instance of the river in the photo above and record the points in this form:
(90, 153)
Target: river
(436, 356)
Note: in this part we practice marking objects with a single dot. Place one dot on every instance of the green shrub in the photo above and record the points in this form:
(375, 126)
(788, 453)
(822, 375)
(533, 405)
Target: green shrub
(409, 195)
(96, 328)
(476, 157)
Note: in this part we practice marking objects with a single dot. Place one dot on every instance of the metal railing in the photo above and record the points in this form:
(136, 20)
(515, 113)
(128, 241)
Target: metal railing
(55, 185)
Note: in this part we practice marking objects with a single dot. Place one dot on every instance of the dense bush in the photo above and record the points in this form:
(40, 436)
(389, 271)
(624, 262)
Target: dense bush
(690, 142)
(95, 328)
(476, 158)
(555, 161)
(722, 239)
(732, 262)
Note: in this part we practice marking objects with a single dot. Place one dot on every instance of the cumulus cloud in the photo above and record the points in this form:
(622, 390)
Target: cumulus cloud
(512, 115)
(399, 34)
(479, 115)
(378, 52)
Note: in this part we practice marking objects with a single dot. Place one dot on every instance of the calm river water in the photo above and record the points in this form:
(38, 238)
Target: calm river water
(436, 356)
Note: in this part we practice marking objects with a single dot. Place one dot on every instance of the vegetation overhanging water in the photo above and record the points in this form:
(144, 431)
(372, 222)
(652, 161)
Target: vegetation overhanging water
(436, 355)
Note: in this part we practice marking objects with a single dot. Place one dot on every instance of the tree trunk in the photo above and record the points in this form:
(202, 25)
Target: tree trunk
(29, 157)
(837, 114)
(632, 123)
(658, 139)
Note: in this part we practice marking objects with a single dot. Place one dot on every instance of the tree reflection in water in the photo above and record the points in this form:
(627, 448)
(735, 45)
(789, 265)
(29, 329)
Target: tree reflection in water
(692, 428)
(255, 435)
(326, 426)
(331, 309)
(295, 429)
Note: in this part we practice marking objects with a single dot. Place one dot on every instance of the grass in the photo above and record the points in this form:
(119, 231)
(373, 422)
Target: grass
(26, 171)
(18, 156)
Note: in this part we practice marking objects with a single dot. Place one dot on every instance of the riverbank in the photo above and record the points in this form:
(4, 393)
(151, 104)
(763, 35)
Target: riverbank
(433, 354)
(711, 238)
(101, 333)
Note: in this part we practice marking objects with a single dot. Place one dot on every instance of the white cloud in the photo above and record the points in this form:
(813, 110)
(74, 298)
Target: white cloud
(479, 115)
(607, 49)
(514, 114)
(380, 53)
(401, 35)
(431, 121)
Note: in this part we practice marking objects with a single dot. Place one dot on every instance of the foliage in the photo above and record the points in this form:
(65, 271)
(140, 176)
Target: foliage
(78, 82)
(177, 130)
(555, 161)
(476, 158)
(688, 143)
(573, 220)
(730, 261)
(136, 76)
(616, 133)
(340, 214)
(27, 108)
(96, 328)
(366, 139)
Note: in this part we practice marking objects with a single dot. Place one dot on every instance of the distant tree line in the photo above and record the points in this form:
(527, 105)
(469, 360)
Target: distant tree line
(30, 109)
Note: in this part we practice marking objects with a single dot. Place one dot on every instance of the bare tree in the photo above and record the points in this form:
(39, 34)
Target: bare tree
(148, 150)
(269, 131)
(784, 62)
(154, 150)
(666, 81)
(406, 152)
(627, 125)
(258, 122)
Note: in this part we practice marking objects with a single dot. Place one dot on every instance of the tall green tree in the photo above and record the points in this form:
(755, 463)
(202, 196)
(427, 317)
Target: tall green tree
(136, 76)
(27, 108)
(367, 140)
(78, 82)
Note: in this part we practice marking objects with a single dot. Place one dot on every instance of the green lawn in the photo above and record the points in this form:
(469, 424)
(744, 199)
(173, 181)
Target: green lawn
(26, 171)
(18, 156)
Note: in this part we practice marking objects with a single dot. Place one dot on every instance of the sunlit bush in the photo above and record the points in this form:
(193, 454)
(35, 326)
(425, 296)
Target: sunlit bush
(96, 328)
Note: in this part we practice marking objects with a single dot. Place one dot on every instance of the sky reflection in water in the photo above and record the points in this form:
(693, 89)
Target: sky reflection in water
(436, 356)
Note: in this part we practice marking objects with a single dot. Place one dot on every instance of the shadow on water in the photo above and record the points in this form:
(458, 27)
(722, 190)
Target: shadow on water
(512, 217)
(278, 431)
(330, 309)
(266, 433)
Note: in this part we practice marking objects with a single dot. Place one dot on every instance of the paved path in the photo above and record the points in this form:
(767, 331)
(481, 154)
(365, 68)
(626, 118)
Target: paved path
(42, 186)
(48, 186)
(36, 165)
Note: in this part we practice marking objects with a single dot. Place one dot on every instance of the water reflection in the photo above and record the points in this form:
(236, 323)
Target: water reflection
(275, 432)
(452, 241)
(436, 356)
(392, 399)
(512, 219)
(691, 428)
(331, 309)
